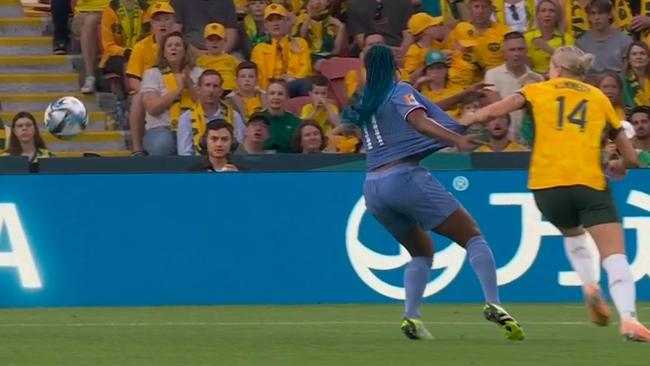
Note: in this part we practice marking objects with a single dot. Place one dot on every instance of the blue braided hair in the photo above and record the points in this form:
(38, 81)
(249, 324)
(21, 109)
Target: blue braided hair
(380, 80)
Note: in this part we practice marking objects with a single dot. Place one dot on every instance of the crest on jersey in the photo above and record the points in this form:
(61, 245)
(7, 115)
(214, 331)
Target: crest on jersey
(410, 99)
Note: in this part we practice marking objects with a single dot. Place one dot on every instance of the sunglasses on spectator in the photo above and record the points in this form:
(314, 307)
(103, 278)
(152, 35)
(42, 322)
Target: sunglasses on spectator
(513, 10)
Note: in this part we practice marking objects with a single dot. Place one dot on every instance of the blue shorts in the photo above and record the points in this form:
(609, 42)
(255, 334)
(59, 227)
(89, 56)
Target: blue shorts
(406, 196)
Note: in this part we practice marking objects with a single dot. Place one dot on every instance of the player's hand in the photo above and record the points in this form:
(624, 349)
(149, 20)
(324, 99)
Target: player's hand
(616, 169)
(229, 168)
(468, 142)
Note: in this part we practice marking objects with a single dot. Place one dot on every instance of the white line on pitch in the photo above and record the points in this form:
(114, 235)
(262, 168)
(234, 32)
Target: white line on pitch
(270, 323)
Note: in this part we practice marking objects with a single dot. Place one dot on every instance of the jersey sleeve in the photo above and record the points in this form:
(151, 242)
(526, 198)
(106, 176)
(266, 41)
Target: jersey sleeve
(405, 101)
(613, 120)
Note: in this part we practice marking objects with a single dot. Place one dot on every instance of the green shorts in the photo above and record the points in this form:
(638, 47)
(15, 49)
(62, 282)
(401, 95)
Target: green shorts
(574, 206)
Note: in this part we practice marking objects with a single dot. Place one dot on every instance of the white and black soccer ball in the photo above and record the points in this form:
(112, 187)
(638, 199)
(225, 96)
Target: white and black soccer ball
(66, 118)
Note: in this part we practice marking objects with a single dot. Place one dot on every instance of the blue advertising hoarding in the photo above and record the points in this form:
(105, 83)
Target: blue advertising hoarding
(250, 238)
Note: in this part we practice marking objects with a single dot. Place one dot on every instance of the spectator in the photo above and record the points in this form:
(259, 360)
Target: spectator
(640, 118)
(254, 24)
(546, 35)
(25, 140)
(518, 15)
(282, 123)
(219, 143)
(435, 83)
(143, 57)
(385, 17)
(629, 15)
(489, 34)
(216, 57)
(464, 68)
(209, 107)
(508, 78)
(603, 41)
(355, 79)
(248, 98)
(636, 75)
(60, 15)
(309, 138)
(428, 33)
(611, 85)
(451, 10)
(498, 137)
(284, 57)
(576, 22)
(325, 34)
(85, 23)
(326, 114)
(293, 6)
(122, 27)
(166, 92)
(257, 133)
(194, 15)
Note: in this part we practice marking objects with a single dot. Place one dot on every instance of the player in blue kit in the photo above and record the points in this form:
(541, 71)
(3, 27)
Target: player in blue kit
(400, 127)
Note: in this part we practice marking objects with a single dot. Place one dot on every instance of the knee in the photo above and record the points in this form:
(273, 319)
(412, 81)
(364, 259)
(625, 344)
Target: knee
(160, 141)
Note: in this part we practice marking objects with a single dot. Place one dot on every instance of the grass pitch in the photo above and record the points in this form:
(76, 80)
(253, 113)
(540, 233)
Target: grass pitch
(558, 334)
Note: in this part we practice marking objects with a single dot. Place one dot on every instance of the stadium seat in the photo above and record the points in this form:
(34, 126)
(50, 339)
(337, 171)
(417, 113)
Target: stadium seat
(335, 70)
(294, 105)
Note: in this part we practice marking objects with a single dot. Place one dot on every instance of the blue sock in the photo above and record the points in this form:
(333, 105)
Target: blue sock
(416, 276)
(482, 261)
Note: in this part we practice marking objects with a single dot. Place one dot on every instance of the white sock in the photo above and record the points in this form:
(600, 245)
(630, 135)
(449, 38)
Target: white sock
(621, 285)
(582, 258)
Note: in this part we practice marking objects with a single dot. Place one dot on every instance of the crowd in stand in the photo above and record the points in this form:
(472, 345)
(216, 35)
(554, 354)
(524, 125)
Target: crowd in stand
(187, 63)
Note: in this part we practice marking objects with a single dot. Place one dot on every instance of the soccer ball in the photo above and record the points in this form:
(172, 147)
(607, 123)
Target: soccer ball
(66, 118)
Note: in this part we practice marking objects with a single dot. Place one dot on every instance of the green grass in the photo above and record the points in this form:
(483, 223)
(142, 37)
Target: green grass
(558, 334)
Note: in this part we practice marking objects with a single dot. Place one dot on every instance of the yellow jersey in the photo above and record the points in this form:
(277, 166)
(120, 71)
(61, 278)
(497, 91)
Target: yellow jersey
(321, 116)
(225, 64)
(275, 58)
(353, 79)
(490, 47)
(83, 6)
(464, 69)
(414, 58)
(436, 96)
(512, 146)
(143, 57)
(569, 119)
(540, 58)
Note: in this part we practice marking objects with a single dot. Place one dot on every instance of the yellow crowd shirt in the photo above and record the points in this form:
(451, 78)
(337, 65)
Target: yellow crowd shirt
(90, 6)
(540, 58)
(414, 58)
(448, 91)
(512, 146)
(352, 79)
(290, 56)
(569, 118)
(490, 47)
(321, 115)
(225, 64)
(464, 69)
(143, 57)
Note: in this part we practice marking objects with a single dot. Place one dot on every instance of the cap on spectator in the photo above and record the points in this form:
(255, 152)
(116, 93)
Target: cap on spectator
(421, 21)
(161, 8)
(276, 9)
(465, 34)
(257, 116)
(214, 29)
(434, 57)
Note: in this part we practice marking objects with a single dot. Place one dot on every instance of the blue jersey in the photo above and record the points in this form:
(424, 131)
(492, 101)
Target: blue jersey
(388, 136)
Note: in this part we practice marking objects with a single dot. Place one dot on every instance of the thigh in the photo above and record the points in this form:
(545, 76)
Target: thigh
(159, 141)
(595, 207)
(426, 200)
(558, 206)
(115, 65)
(398, 224)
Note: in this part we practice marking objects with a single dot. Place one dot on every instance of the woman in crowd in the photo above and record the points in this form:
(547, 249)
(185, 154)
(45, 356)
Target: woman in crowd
(25, 140)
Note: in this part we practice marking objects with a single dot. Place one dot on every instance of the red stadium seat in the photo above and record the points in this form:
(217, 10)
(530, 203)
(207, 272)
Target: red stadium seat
(335, 70)
(294, 105)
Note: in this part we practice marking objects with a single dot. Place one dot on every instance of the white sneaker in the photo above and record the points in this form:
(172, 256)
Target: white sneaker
(89, 85)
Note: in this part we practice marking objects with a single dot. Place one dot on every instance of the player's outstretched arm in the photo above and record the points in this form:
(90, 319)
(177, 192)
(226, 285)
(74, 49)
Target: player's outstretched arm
(428, 127)
(625, 147)
(501, 108)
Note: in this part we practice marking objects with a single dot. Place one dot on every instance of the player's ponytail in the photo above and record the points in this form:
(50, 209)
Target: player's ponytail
(380, 70)
(572, 60)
